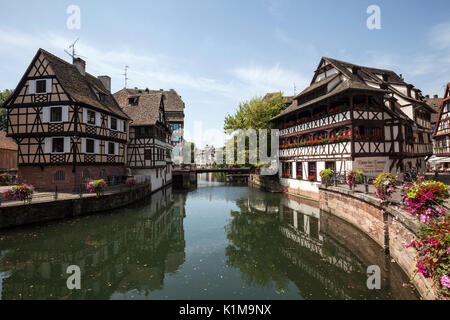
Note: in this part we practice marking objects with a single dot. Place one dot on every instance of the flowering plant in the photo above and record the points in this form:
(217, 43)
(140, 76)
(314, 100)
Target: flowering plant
(299, 176)
(131, 182)
(326, 176)
(385, 184)
(286, 175)
(425, 199)
(355, 177)
(433, 250)
(312, 177)
(96, 186)
(20, 192)
(5, 179)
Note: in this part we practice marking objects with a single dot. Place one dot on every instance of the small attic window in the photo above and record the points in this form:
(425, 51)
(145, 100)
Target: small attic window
(102, 97)
(133, 101)
(41, 86)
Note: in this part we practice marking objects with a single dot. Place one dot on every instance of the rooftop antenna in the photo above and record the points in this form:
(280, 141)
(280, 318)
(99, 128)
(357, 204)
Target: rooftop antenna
(126, 76)
(73, 54)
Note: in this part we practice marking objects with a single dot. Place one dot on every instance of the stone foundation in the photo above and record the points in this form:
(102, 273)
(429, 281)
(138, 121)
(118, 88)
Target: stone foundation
(393, 229)
(24, 214)
(45, 179)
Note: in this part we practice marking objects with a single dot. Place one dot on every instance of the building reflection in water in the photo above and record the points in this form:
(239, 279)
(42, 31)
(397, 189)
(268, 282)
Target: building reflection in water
(323, 256)
(128, 251)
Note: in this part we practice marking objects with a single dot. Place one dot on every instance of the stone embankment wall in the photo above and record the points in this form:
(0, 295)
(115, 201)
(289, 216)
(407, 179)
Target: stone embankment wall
(12, 216)
(301, 188)
(392, 228)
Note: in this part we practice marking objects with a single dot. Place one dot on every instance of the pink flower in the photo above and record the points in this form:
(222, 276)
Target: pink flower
(445, 281)
(423, 218)
(441, 210)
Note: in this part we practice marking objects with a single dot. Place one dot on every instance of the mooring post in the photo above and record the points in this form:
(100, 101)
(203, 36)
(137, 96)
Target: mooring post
(81, 190)
(366, 182)
(335, 179)
(56, 192)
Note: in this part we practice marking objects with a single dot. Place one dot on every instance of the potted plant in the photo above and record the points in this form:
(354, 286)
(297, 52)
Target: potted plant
(312, 178)
(5, 179)
(326, 176)
(21, 192)
(97, 186)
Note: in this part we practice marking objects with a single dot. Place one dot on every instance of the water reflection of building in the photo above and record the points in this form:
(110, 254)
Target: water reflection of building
(131, 250)
(315, 251)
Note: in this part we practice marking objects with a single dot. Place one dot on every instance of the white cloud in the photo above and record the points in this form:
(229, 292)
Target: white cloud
(440, 35)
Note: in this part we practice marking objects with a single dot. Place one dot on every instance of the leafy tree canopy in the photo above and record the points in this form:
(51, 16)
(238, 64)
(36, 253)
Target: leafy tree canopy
(4, 95)
(256, 113)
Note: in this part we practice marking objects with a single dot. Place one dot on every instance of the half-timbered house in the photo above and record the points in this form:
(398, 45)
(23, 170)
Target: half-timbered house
(353, 117)
(174, 109)
(149, 149)
(67, 124)
(442, 132)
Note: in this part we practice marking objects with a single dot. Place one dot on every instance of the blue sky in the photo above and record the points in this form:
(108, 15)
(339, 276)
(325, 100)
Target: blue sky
(218, 53)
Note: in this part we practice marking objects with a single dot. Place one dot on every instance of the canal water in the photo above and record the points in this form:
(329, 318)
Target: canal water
(220, 241)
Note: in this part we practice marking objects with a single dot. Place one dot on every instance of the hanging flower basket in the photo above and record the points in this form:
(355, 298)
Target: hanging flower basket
(97, 187)
(131, 182)
(326, 176)
(21, 192)
(385, 183)
(5, 179)
(355, 177)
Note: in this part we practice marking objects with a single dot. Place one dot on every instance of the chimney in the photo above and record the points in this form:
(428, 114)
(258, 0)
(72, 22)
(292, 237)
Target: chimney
(355, 70)
(80, 64)
(427, 96)
(106, 82)
(161, 89)
(409, 87)
(436, 96)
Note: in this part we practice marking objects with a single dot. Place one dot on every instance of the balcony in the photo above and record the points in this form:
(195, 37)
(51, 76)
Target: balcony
(313, 124)
(321, 150)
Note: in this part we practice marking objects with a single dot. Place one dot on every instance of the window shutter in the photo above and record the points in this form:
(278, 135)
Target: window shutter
(97, 146)
(83, 145)
(116, 149)
(106, 147)
(46, 114)
(98, 120)
(31, 86)
(49, 85)
(66, 144)
(109, 122)
(84, 115)
(48, 145)
(65, 113)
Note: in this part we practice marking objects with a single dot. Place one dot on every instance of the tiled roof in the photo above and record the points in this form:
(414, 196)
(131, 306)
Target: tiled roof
(81, 88)
(7, 143)
(146, 112)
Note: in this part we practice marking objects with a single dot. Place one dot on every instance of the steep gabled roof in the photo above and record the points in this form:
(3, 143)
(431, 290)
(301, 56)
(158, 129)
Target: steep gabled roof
(81, 88)
(172, 103)
(146, 112)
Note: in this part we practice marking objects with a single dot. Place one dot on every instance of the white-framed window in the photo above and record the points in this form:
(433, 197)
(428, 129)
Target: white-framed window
(112, 148)
(40, 86)
(90, 146)
(55, 114)
(57, 145)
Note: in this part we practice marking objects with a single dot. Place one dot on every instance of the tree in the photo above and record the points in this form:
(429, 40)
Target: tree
(4, 95)
(256, 113)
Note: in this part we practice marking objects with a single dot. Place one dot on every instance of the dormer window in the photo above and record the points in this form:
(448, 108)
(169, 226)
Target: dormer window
(102, 97)
(41, 86)
(133, 101)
